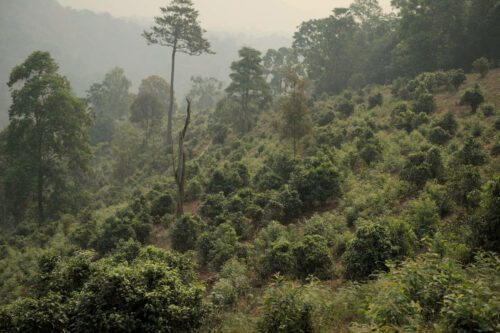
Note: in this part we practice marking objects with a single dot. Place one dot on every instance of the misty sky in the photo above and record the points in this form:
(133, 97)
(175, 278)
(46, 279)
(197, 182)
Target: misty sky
(229, 15)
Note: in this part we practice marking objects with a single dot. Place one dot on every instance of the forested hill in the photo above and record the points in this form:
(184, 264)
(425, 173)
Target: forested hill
(349, 183)
(87, 45)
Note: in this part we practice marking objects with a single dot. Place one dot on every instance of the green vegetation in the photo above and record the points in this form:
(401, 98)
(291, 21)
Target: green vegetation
(310, 196)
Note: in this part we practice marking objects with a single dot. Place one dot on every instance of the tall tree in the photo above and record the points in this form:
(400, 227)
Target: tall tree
(178, 28)
(47, 135)
(248, 85)
(147, 108)
(158, 87)
(180, 168)
(431, 35)
(296, 116)
(277, 64)
(146, 112)
(327, 46)
(109, 101)
(205, 92)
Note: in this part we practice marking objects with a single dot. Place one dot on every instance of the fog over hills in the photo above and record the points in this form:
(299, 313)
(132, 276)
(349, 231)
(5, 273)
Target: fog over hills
(86, 45)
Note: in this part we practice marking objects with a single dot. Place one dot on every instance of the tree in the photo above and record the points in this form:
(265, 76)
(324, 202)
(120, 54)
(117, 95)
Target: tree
(146, 111)
(157, 87)
(248, 85)
(178, 28)
(481, 66)
(473, 98)
(180, 169)
(47, 140)
(109, 101)
(296, 117)
(147, 108)
(430, 35)
(205, 92)
(277, 64)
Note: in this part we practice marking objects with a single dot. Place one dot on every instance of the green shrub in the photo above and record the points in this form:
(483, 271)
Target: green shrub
(346, 107)
(375, 100)
(425, 103)
(162, 205)
(464, 185)
(423, 216)
(286, 310)
(481, 66)
(421, 167)
(151, 293)
(495, 148)
(278, 258)
(449, 123)
(217, 246)
(473, 98)
(111, 233)
(456, 78)
(313, 257)
(219, 132)
(232, 283)
(486, 227)
(213, 207)
(185, 233)
(472, 153)
(367, 252)
(266, 179)
(403, 118)
(438, 135)
(488, 109)
(317, 181)
(229, 179)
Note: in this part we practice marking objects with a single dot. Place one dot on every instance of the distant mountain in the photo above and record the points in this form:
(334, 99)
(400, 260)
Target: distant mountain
(87, 45)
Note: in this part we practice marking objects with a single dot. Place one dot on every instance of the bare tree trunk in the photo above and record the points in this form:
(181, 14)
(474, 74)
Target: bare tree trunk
(179, 171)
(41, 216)
(171, 106)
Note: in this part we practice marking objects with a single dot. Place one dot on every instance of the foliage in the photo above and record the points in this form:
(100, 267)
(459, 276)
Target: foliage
(317, 181)
(47, 143)
(375, 100)
(367, 252)
(111, 297)
(285, 310)
(473, 98)
(296, 117)
(248, 86)
(481, 66)
(486, 226)
(178, 28)
(313, 257)
(185, 233)
(109, 101)
(218, 245)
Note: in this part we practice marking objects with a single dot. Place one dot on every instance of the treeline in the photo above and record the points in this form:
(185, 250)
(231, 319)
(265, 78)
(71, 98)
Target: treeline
(360, 45)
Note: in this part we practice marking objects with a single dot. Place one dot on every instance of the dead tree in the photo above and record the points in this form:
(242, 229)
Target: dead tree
(179, 166)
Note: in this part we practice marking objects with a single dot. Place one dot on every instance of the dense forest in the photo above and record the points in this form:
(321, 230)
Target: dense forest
(349, 182)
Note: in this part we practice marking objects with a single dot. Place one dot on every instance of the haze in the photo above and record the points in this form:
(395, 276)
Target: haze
(233, 15)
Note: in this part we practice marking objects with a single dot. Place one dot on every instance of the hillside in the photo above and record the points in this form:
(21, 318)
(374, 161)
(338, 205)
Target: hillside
(345, 184)
(370, 193)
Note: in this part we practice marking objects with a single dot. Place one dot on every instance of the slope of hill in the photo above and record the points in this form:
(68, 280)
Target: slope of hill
(275, 249)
